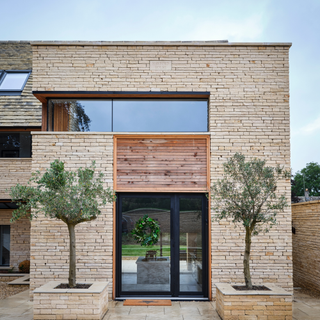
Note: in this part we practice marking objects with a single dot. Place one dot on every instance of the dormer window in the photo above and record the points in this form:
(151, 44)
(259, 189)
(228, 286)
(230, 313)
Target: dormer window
(12, 82)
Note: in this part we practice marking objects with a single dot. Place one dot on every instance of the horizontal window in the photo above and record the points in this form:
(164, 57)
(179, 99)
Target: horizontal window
(120, 115)
(15, 144)
(8, 205)
(12, 82)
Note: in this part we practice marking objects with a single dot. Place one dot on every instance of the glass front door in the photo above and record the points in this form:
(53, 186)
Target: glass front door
(161, 245)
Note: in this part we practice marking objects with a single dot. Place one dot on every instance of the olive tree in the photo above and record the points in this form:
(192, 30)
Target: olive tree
(248, 195)
(70, 196)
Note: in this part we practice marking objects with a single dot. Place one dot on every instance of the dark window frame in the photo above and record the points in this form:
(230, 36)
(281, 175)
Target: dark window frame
(13, 92)
(1, 253)
(175, 292)
(6, 204)
(50, 108)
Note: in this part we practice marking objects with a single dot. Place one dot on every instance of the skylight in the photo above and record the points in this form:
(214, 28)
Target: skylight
(12, 82)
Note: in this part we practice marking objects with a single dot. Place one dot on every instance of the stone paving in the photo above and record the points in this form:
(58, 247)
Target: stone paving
(179, 310)
(18, 307)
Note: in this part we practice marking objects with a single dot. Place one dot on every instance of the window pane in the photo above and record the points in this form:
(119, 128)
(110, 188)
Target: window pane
(14, 81)
(8, 205)
(5, 245)
(145, 269)
(148, 115)
(82, 115)
(191, 244)
(15, 144)
(160, 115)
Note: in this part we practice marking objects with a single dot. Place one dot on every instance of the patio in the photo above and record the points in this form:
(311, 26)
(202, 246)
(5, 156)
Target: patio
(18, 307)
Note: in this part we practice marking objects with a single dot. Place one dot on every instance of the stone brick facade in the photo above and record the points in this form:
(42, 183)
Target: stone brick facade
(50, 303)
(259, 305)
(49, 238)
(248, 86)
(13, 171)
(306, 244)
(248, 112)
(19, 238)
(23, 110)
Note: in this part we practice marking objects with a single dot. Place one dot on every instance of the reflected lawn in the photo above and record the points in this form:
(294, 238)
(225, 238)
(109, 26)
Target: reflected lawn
(137, 250)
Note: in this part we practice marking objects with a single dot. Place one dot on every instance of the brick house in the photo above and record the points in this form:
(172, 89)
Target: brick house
(159, 119)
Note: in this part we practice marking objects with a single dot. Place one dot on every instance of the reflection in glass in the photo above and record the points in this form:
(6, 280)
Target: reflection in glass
(160, 115)
(14, 81)
(5, 245)
(81, 115)
(148, 115)
(191, 244)
(145, 269)
(15, 144)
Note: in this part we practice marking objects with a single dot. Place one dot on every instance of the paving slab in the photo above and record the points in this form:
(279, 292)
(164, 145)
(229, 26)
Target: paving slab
(18, 307)
(305, 307)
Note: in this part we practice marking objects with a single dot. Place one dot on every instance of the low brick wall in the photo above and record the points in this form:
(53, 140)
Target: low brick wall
(306, 245)
(8, 278)
(262, 305)
(50, 303)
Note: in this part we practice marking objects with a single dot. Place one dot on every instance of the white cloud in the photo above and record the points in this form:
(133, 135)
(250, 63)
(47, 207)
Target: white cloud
(308, 129)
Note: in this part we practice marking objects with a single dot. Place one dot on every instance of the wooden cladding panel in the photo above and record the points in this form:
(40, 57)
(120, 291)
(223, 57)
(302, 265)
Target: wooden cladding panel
(161, 163)
(61, 118)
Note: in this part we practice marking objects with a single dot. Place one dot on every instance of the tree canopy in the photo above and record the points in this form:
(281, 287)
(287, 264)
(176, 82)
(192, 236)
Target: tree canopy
(71, 196)
(310, 177)
(248, 195)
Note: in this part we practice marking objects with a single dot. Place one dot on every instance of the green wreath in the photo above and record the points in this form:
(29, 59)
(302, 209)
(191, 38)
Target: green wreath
(140, 231)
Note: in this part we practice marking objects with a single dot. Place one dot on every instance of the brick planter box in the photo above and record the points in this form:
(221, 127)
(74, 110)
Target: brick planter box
(50, 303)
(232, 304)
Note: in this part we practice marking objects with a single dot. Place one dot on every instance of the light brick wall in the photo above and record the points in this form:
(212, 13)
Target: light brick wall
(306, 245)
(51, 304)
(248, 113)
(49, 238)
(23, 110)
(19, 238)
(249, 307)
(13, 171)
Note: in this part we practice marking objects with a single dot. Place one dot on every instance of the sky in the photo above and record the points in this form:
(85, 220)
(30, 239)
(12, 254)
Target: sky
(295, 21)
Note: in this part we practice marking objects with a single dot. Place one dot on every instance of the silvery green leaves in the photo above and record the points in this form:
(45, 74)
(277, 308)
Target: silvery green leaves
(248, 195)
(71, 196)
(248, 192)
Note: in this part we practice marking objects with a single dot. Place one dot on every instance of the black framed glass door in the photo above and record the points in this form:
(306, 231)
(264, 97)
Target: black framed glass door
(176, 264)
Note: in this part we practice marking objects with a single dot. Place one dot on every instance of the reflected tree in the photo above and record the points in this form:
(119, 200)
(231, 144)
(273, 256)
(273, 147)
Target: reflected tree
(79, 120)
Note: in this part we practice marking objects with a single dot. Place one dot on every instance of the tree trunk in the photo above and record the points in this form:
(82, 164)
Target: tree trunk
(246, 259)
(72, 256)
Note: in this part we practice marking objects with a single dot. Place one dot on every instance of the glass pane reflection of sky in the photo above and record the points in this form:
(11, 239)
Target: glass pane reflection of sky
(159, 115)
(13, 81)
(99, 113)
(145, 115)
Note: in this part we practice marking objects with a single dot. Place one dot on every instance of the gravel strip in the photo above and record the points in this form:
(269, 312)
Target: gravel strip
(7, 291)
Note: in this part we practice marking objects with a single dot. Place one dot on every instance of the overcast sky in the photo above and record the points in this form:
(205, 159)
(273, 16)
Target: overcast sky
(293, 21)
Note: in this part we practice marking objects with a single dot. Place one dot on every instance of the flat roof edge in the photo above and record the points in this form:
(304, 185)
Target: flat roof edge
(14, 41)
(159, 43)
(124, 92)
